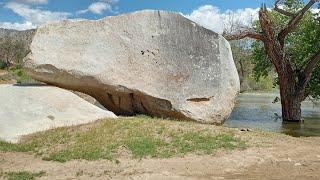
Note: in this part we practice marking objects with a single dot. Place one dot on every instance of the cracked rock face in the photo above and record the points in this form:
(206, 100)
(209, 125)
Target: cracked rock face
(149, 62)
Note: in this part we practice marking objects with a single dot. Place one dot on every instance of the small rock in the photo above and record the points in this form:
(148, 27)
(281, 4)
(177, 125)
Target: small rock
(297, 164)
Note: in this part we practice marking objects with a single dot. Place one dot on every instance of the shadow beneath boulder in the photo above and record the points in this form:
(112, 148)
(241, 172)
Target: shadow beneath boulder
(31, 84)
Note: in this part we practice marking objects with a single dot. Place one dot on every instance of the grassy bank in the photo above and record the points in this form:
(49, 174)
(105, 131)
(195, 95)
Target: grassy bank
(135, 137)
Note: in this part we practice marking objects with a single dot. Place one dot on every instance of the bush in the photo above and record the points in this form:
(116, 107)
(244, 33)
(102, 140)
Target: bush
(3, 65)
(22, 77)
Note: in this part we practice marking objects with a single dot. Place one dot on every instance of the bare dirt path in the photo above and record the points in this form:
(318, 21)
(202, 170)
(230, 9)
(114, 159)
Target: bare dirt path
(282, 157)
(3, 72)
(6, 77)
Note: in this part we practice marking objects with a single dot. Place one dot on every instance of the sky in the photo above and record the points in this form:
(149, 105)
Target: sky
(212, 14)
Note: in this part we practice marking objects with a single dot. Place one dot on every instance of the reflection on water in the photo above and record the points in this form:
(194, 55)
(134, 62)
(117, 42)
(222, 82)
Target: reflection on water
(256, 111)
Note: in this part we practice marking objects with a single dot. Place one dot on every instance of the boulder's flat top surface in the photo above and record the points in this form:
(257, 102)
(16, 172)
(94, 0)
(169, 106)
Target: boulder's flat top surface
(29, 109)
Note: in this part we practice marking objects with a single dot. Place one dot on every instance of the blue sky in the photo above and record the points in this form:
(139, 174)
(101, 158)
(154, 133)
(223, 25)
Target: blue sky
(124, 6)
(25, 14)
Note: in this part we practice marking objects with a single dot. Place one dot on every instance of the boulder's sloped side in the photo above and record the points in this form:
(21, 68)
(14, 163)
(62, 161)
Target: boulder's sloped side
(149, 62)
(28, 109)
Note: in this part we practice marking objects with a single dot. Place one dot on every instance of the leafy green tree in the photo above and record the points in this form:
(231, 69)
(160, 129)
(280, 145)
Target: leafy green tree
(288, 41)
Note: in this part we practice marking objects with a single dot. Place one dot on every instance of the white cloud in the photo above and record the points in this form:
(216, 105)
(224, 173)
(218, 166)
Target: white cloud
(207, 16)
(212, 18)
(32, 1)
(18, 26)
(35, 15)
(315, 11)
(99, 7)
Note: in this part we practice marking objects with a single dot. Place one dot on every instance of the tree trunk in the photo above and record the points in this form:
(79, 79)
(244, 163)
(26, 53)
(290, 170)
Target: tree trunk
(290, 100)
(241, 70)
(291, 108)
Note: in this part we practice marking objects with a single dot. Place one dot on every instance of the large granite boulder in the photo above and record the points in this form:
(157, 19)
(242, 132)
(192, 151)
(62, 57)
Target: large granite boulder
(29, 109)
(150, 62)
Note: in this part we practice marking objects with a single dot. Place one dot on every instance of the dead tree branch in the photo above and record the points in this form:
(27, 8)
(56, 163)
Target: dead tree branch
(282, 11)
(294, 21)
(243, 34)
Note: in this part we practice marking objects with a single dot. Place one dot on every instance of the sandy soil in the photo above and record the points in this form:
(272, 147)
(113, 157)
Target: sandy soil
(278, 157)
(3, 72)
(6, 78)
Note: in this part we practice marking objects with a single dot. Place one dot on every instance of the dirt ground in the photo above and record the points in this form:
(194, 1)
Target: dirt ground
(282, 157)
(6, 78)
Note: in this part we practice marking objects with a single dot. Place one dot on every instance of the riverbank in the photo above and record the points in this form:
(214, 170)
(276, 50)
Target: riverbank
(152, 148)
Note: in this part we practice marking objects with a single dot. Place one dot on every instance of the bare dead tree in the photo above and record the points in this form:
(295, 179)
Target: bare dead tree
(292, 84)
(232, 24)
(11, 51)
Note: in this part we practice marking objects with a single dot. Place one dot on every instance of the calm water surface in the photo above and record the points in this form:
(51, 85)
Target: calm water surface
(256, 111)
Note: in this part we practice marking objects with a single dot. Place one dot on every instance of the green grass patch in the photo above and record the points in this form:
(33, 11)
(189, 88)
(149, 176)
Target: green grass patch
(140, 136)
(21, 76)
(22, 175)
(16, 73)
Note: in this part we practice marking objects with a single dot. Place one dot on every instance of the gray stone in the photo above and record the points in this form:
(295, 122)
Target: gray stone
(149, 62)
(28, 109)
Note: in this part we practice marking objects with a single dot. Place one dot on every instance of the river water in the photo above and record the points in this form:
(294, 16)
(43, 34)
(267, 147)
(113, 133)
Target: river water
(256, 111)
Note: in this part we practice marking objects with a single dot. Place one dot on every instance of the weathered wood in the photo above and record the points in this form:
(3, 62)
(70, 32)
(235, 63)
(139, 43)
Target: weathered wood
(311, 64)
(243, 34)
